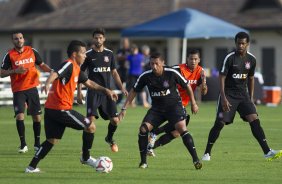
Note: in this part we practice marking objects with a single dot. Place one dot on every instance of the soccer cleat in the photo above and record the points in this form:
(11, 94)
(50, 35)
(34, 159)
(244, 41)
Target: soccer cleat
(91, 161)
(206, 157)
(143, 165)
(113, 145)
(198, 165)
(273, 154)
(150, 152)
(23, 150)
(152, 139)
(32, 170)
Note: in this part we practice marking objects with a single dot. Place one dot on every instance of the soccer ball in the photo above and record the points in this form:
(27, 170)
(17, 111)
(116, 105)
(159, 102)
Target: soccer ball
(104, 164)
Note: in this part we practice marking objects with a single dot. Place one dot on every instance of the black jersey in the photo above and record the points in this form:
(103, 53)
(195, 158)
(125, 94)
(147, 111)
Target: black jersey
(237, 69)
(162, 89)
(99, 66)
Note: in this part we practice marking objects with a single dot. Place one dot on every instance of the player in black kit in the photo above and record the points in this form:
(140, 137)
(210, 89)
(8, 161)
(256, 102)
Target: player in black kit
(100, 64)
(166, 105)
(236, 94)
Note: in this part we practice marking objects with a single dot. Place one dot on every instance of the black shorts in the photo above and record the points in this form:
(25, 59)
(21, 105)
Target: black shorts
(240, 102)
(156, 117)
(28, 97)
(106, 106)
(55, 122)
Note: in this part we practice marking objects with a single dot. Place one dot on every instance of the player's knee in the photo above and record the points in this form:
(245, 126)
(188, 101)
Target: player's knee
(144, 129)
(20, 116)
(36, 118)
(91, 128)
(115, 121)
(175, 134)
(252, 117)
(53, 141)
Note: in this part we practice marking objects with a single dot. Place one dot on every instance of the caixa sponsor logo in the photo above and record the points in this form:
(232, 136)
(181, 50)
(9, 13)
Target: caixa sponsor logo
(239, 76)
(161, 93)
(24, 61)
(102, 69)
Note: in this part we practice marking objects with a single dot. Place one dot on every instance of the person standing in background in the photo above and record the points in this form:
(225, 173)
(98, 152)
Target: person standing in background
(20, 64)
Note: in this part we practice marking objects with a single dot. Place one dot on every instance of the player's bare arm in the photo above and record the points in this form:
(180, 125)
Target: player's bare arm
(251, 86)
(130, 97)
(19, 70)
(45, 68)
(204, 87)
(194, 106)
(53, 76)
(224, 102)
(93, 85)
(80, 97)
(118, 82)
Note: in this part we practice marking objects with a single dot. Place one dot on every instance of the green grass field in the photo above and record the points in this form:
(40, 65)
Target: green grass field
(236, 157)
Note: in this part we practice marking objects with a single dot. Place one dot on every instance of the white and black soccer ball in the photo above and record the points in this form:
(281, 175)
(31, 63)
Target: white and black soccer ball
(104, 164)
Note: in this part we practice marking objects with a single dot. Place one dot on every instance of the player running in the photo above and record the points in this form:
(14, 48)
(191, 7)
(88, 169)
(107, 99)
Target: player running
(196, 76)
(162, 85)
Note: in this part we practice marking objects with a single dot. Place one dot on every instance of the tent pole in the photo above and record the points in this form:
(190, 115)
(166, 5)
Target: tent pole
(184, 50)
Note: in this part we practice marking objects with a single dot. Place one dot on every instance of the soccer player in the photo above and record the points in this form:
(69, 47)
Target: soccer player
(20, 64)
(100, 64)
(162, 85)
(196, 76)
(236, 94)
(58, 107)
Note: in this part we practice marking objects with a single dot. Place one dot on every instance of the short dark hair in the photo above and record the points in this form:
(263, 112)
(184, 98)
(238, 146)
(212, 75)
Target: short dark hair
(16, 32)
(194, 51)
(156, 55)
(75, 46)
(242, 35)
(99, 31)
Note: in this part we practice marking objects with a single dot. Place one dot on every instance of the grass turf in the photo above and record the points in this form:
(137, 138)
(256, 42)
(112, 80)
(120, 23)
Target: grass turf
(236, 157)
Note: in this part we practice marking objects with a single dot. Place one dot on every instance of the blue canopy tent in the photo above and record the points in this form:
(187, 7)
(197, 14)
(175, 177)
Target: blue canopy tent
(185, 23)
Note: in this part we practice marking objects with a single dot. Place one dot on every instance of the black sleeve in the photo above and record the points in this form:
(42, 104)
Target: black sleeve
(84, 66)
(38, 59)
(253, 67)
(180, 79)
(176, 67)
(113, 62)
(225, 66)
(6, 63)
(65, 70)
(140, 83)
(82, 78)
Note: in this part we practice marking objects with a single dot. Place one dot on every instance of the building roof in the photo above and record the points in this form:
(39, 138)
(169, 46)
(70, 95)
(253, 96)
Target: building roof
(48, 15)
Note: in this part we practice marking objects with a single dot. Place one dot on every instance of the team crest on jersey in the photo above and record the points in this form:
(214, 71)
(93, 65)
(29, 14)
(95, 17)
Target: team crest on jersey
(106, 59)
(247, 65)
(165, 84)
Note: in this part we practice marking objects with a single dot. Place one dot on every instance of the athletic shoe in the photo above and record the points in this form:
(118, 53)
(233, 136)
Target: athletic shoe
(152, 139)
(206, 157)
(32, 170)
(23, 150)
(198, 165)
(113, 145)
(273, 154)
(143, 165)
(150, 152)
(91, 161)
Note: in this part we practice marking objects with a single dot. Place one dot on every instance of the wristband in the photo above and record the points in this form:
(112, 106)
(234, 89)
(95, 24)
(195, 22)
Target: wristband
(123, 109)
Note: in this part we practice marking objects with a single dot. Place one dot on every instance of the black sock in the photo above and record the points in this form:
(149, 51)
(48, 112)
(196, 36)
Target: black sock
(163, 140)
(258, 133)
(189, 143)
(87, 141)
(143, 142)
(21, 132)
(36, 131)
(44, 149)
(159, 130)
(213, 135)
(111, 131)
